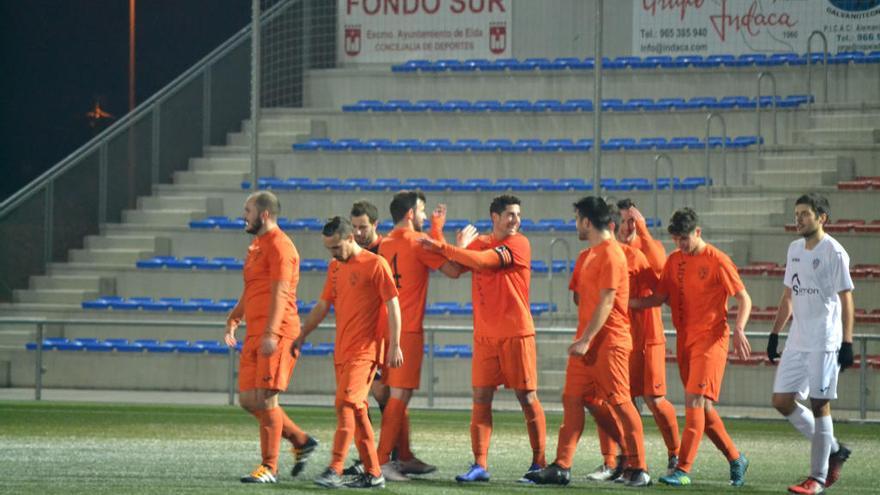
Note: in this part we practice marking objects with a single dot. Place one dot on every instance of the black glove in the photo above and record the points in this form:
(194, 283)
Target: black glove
(772, 345)
(845, 356)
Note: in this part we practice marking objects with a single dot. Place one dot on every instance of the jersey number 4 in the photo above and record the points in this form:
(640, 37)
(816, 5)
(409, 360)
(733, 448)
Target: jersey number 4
(397, 275)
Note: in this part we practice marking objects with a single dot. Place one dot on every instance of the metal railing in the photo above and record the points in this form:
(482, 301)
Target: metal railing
(709, 118)
(567, 246)
(657, 159)
(775, 96)
(41, 323)
(824, 39)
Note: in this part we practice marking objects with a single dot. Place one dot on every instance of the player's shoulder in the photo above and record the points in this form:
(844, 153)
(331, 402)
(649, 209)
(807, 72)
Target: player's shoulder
(517, 241)
(833, 245)
(713, 252)
(797, 244)
(635, 256)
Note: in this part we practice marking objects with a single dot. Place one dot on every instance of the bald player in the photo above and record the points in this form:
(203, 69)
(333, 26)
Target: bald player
(268, 305)
(361, 288)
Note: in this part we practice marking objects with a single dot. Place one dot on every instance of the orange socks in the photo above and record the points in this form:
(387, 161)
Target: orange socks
(404, 452)
(633, 435)
(365, 441)
(718, 434)
(393, 418)
(291, 431)
(694, 424)
(343, 436)
(270, 436)
(607, 447)
(536, 425)
(570, 430)
(668, 425)
(481, 432)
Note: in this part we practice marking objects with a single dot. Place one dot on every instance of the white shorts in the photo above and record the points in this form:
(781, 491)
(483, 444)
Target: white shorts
(808, 374)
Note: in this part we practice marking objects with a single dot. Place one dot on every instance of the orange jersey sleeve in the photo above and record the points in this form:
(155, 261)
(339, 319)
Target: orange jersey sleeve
(271, 258)
(358, 289)
(650, 247)
(578, 264)
(605, 268)
(501, 295)
(411, 267)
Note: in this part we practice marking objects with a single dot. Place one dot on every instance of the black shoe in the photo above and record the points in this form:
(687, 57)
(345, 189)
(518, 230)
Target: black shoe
(624, 476)
(366, 480)
(550, 475)
(639, 479)
(302, 454)
(329, 479)
(835, 464)
(356, 469)
(618, 469)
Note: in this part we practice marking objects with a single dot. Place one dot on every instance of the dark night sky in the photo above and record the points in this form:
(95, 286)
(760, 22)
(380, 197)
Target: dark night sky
(59, 56)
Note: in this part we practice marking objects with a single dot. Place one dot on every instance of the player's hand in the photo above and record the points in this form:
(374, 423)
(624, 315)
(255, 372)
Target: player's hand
(439, 213)
(229, 336)
(772, 347)
(431, 245)
(579, 347)
(845, 356)
(741, 345)
(395, 357)
(637, 215)
(268, 344)
(296, 346)
(465, 236)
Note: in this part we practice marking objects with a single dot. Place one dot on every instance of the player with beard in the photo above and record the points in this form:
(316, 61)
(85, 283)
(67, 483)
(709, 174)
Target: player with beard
(268, 305)
(818, 295)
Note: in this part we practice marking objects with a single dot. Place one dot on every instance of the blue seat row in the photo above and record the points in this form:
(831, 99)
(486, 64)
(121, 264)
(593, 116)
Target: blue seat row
(464, 309)
(424, 184)
(520, 145)
(140, 345)
(577, 105)
(163, 304)
(633, 62)
(202, 263)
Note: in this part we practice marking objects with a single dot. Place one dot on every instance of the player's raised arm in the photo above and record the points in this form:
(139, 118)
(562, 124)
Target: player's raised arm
(438, 221)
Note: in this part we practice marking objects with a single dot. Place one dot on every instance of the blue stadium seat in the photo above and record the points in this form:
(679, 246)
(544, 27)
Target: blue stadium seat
(516, 106)
(485, 105)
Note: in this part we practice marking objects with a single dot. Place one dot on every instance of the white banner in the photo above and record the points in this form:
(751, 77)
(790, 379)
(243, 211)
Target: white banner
(400, 30)
(701, 27)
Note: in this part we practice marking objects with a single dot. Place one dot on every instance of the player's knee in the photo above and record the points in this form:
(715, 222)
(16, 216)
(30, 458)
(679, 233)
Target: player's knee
(783, 403)
(820, 407)
(653, 402)
(695, 400)
(526, 397)
(482, 395)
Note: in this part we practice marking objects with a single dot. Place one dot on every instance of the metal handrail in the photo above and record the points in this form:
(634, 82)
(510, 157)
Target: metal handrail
(657, 158)
(824, 39)
(130, 119)
(775, 95)
(567, 246)
(709, 118)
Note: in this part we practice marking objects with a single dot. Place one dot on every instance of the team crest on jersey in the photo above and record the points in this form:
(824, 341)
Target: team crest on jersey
(815, 263)
(703, 272)
(353, 279)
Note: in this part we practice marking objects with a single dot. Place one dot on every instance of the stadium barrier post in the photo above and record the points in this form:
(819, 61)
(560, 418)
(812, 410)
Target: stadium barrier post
(824, 39)
(709, 118)
(597, 99)
(863, 378)
(38, 364)
(256, 66)
(206, 105)
(565, 244)
(761, 76)
(657, 158)
(431, 367)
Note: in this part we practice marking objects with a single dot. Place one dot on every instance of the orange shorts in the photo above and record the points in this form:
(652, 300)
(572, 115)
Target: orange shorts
(601, 374)
(409, 375)
(647, 371)
(271, 372)
(701, 364)
(512, 362)
(353, 380)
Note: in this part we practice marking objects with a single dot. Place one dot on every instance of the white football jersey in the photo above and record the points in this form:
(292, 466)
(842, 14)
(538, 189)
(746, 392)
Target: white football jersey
(815, 278)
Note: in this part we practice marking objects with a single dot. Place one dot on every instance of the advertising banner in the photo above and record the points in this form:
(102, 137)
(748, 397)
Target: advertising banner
(702, 27)
(371, 31)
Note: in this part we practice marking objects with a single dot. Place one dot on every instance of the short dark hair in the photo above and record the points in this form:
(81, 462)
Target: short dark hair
(594, 209)
(683, 222)
(816, 202)
(404, 201)
(501, 203)
(337, 226)
(364, 207)
(625, 204)
(614, 214)
(266, 201)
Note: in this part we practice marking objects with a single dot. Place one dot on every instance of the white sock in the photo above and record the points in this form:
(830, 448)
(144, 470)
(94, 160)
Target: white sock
(802, 419)
(821, 448)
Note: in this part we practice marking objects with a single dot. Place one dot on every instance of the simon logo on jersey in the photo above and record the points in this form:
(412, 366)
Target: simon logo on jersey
(797, 290)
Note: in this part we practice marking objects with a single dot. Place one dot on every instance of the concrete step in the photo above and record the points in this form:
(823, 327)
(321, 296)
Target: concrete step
(54, 296)
(226, 151)
(290, 123)
(168, 202)
(15, 338)
(798, 163)
(227, 164)
(833, 120)
(116, 256)
(216, 178)
(747, 205)
(119, 241)
(103, 285)
(734, 219)
(810, 178)
(169, 217)
(842, 135)
(269, 140)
